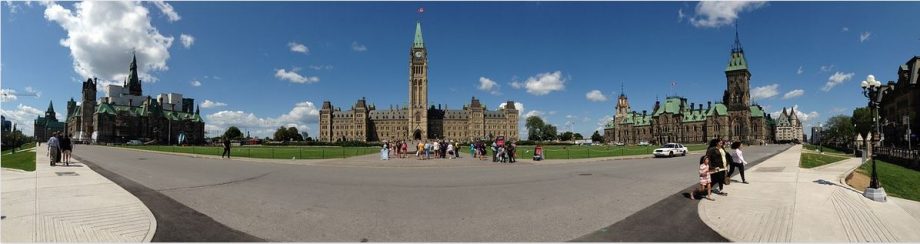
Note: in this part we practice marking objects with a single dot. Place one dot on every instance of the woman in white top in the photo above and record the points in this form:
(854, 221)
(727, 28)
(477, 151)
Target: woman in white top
(737, 161)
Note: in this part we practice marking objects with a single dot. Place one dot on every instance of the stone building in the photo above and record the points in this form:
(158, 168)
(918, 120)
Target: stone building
(677, 120)
(788, 127)
(418, 120)
(48, 125)
(126, 114)
(900, 104)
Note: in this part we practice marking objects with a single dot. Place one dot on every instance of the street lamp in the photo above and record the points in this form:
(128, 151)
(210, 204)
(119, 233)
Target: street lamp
(874, 90)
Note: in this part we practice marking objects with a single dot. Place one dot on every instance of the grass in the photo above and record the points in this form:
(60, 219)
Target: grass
(811, 160)
(897, 181)
(575, 152)
(269, 152)
(823, 149)
(24, 160)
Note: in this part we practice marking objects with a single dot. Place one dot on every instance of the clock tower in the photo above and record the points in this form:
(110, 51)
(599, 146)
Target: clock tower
(418, 87)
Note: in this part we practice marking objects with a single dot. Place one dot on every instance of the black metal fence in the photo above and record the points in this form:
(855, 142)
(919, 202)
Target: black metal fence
(900, 156)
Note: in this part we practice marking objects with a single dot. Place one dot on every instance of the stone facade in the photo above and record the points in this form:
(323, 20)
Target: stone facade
(418, 120)
(47, 125)
(788, 127)
(676, 120)
(126, 114)
(901, 103)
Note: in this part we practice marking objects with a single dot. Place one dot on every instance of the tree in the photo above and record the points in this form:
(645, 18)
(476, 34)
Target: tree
(566, 136)
(233, 133)
(281, 134)
(862, 118)
(549, 132)
(839, 131)
(578, 136)
(293, 134)
(533, 125)
(597, 137)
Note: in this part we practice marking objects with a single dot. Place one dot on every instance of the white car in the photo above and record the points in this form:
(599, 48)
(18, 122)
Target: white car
(671, 150)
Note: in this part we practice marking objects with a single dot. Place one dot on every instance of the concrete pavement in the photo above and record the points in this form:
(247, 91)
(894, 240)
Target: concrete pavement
(785, 203)
(70, 204)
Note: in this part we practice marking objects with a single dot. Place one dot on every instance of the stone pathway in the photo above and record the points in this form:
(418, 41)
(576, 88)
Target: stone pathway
(70, 204)
(785, 203)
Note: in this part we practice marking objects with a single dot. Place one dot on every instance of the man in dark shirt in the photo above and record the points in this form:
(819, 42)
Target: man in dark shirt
(226, 148)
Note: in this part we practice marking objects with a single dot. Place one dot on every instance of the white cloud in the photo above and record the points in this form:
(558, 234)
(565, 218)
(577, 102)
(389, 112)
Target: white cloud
(293, 76)
(800, 71)
(298, 48)
(537, 113)
(196, 83)
(32, 92)
(794, 93)
(517, 105)
(711, 14)
(212, 104)
(836, 79)
(187, 40)
(803, 117)
(542, 84)
(764, 92)
(301, 116)
(601, 123)
(864, 36)
(320, 67)
(357, 47)
(827, 68)
(486, 84)
(8, 95)
(102, 34)
(24, 117)
(681, 15)
(596, 96)
(167, 10)
(845, 29)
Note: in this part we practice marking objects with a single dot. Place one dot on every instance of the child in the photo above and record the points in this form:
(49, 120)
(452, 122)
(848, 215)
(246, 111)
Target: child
(704, 179)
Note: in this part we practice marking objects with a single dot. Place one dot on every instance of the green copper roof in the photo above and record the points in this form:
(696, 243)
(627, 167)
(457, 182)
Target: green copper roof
(717, 109)
(695, 115)
(756, 111)
(418, 43)
(737, 62)
(105, 108)
(671, 105)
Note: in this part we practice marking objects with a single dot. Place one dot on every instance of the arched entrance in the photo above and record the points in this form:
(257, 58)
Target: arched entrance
(417, 135)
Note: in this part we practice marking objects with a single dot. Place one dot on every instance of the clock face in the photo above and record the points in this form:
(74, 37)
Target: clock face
(418, 54)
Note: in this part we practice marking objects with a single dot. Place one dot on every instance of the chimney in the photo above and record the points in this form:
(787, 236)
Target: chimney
(644, 113)
(701, 106)
(692, 105)
(708, 104)
(173, 106)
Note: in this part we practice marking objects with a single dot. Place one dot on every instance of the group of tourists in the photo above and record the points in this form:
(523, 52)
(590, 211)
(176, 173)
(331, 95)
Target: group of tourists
(717, 166)
(59, 148)
(503, 152)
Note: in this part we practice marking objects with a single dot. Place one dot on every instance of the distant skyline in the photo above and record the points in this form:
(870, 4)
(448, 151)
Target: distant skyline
(261, 65)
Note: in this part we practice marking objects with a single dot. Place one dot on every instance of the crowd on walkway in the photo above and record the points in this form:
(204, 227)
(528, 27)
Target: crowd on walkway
(717, 166)
(502, 151)
(59, 148)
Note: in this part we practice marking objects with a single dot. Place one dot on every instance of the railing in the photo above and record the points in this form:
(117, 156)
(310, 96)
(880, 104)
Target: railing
(900, 156)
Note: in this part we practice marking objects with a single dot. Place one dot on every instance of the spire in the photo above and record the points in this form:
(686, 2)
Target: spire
(737, 60)
(133, 83)
(622, 91)
(418, 43)
(737, 46)
(50, 107)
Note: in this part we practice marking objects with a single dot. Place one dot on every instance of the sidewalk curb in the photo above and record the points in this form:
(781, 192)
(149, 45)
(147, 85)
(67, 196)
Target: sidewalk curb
(843, 177)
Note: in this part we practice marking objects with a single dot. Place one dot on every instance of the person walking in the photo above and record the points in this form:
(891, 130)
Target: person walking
(717, 165)
(450, 150)
(419, 150)
(385, 151)
(226, 148)
(54, 149)
(705, 179)
(512, 150)
(473, 150)
(738, 161)
(427, 150)
(66, 148)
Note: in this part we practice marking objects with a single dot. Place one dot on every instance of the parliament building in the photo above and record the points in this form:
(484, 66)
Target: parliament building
(676, 120)
(418, 120)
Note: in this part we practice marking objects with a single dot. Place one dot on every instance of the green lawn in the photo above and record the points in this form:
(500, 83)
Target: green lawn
(24, 160)
(574, 151)
(269, 152)
(824, 149)
(897, 181)
(811, 160)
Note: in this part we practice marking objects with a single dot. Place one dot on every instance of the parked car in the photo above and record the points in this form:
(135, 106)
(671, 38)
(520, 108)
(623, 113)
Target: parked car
(643, 143)
(135, 142)
(671, 150)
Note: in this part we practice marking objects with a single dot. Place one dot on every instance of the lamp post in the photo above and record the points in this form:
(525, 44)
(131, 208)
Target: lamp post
(874, 91)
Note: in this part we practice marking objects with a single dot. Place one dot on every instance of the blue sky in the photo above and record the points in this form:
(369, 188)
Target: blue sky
(261, 65)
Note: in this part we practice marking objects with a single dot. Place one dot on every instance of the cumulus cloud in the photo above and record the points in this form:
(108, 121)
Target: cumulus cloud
(23, 116)
(357, 47)
(8, 95)
(101, 36)
(212, 104)
(537, 113)
(711, 14)
(187, 40)
(764, 92)
(486, 84)
(167, 10)
(301, 116)
(601, 123)
(681, 15)
(864, 36)
(800, 71)
(826, 68)
(794, 93)
(836, 79)
(294, 77)
(517, 105)
(542, 84)
(298, 48)
(196, 83)
(803, 117)
(596, 96)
